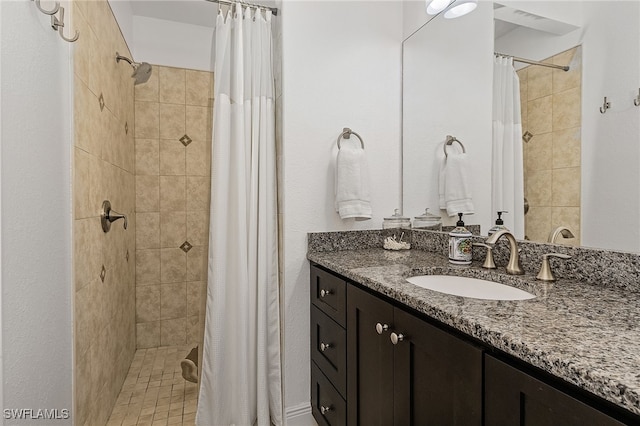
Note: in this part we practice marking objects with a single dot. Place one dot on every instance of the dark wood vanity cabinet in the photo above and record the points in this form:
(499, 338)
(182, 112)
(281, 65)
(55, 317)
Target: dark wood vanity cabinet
(424, 376)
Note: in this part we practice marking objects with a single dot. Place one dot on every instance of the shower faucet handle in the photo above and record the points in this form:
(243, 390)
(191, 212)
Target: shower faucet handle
(108, 216)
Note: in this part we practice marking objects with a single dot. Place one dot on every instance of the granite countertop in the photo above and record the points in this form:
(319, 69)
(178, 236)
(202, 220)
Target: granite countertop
(586, 334)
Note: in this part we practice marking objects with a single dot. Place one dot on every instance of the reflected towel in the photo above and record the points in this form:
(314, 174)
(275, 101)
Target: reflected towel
(455, 191)
(352, 183)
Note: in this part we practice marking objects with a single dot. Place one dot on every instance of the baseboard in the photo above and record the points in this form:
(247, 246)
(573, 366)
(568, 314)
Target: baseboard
(300, 415)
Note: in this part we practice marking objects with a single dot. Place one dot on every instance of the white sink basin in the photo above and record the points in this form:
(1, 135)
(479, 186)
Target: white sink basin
(469, 287)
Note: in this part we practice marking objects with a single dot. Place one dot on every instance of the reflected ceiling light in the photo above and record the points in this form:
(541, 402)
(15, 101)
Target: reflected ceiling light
(452, 8)
(460, 8)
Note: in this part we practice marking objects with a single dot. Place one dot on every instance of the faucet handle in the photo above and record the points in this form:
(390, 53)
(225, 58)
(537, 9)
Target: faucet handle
(488, 261)
(545, 273)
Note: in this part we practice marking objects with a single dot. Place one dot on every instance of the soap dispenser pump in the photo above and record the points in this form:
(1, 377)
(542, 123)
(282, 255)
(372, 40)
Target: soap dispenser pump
(460, 244)
(499, 226)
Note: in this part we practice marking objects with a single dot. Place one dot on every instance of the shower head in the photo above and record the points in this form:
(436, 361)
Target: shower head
(141, 71)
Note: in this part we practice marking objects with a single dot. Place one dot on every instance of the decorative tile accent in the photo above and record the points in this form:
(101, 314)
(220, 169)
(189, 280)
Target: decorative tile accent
(186, 140)
(126, 127)
(186, 246)
(101, 100)
(527, 136)
(103, 273)
(127, 256)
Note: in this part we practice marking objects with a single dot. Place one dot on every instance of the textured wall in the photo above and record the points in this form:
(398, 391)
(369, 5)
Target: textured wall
(103, 170)
(173, 162)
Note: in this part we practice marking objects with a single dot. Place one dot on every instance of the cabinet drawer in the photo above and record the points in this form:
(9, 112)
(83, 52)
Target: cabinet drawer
(328, 349)
(328, 293)
(327, 406)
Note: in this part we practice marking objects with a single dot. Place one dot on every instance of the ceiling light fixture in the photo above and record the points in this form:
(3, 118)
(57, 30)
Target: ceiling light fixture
(452, 9)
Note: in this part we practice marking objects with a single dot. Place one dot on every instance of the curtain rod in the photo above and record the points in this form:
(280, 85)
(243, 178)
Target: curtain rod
(273, 10)
(528, 61)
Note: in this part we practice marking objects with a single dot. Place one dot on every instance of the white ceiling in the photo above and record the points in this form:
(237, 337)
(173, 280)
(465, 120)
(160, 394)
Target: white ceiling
(195, 12)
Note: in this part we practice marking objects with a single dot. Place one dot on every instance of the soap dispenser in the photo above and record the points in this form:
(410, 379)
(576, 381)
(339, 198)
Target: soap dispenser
(460, 244)
(499, 226)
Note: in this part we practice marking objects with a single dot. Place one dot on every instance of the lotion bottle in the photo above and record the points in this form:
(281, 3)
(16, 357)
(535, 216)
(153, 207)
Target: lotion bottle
(460, 244)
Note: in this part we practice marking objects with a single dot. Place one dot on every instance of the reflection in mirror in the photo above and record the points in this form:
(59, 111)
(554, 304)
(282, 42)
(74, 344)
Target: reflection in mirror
(580, 166)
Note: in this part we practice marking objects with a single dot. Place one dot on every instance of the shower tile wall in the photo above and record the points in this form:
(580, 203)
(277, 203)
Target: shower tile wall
(172, 151)
(551, 113)
(104, 263)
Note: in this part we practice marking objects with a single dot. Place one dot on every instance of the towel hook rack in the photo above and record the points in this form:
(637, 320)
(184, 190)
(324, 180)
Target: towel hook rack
(346, 134)
(605, 106)
(450, 141)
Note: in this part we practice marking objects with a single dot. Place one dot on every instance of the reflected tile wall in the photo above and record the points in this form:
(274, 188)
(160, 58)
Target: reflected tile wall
(103, 169)
(173, 168)
(551, 113)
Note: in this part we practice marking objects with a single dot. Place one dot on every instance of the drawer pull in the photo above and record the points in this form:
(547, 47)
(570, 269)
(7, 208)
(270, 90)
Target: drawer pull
(324, 346)
(381, 328)
(395, 338)
(324, 410)
(325, 293)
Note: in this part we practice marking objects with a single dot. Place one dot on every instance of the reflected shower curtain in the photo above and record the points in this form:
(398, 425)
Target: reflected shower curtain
(241, 371)
(507, 181)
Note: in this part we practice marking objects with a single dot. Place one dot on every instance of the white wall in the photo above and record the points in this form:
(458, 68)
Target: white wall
(36, 212)
(341, 68)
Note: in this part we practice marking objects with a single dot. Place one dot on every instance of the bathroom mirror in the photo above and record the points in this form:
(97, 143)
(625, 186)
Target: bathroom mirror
(447, 90)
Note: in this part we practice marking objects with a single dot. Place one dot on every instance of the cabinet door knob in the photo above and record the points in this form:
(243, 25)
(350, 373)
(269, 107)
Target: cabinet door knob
(324, 293)
(395, 338)
(324, 409)
(381, 328)
(324, 346)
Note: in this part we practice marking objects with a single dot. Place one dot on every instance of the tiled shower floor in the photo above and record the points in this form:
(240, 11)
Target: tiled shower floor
(154, 392)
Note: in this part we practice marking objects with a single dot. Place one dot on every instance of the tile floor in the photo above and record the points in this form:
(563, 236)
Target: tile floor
(154, 392)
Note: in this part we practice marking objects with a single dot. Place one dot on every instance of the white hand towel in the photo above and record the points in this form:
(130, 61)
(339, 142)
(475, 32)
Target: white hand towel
(455, 184)
(352, 183)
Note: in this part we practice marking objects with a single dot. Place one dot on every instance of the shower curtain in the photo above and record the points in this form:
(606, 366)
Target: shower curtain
(507, 181)
(241, 371)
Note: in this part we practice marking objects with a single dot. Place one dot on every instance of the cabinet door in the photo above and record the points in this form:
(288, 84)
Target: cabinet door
(512, 397)
(369, 360)
(437, 377)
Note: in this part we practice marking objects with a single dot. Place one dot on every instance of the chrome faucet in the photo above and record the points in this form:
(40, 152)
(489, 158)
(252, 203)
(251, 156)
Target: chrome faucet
(560, 230)
(513, 268)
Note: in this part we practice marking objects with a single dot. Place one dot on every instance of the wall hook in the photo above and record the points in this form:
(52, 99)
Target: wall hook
(58, 24)
(636, 101)
(605, 106)
(47, 12)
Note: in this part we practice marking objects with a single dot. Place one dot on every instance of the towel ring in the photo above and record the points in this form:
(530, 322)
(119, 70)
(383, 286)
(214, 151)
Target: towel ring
(450, 141)
(346, 133)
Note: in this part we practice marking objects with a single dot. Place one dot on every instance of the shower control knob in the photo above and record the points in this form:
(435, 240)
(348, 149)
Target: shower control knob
(324, 346)
(324, 293)
(395, 338)
(381, 328)
(324, 409)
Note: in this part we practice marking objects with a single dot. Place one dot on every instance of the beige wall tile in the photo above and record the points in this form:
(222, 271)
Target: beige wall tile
(147, 120)
(539, 82)
(567, 148)
(566, 187)
(87, 250)
(88, 124)
(172, 157)
(199, 158)
(567, 109)
(539, 115)
(149, 91)
(198, 227)
(569, 217)
(83, 394)
(193, 330)
(173, 301)
(538, 223)
(147, 266)
(539, 152)
(85, 318)
(538, 190)
(197, 122)
(198, 87)
(198, 189)
(173, 229)
(172, 121)
(147, 303)
(194, 292)
(172, 193)
(148, 334)
(147, 157)
(148, 230)
(195, 264)
(87, 184)
(173, 332)
(173, 265)
(564, 80)
(172, 85)
(147, 193)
